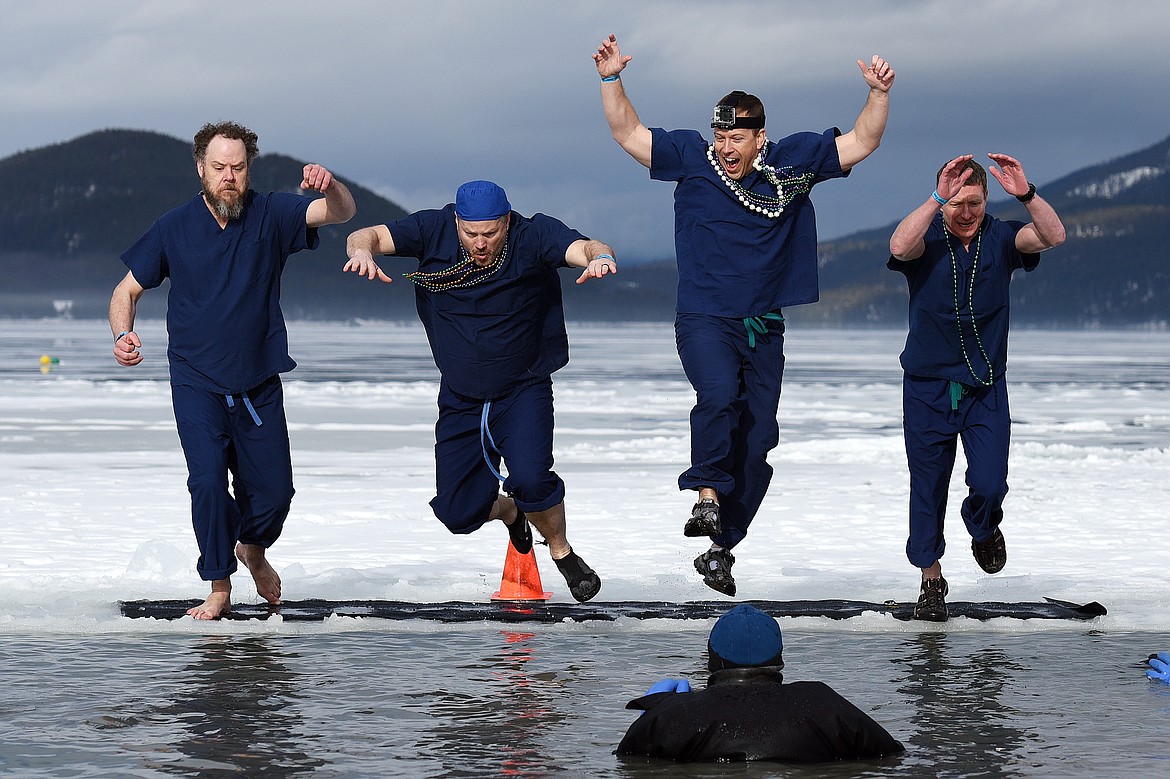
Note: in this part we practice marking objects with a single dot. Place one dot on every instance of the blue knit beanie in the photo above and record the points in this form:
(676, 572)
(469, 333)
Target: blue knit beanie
(745, 637)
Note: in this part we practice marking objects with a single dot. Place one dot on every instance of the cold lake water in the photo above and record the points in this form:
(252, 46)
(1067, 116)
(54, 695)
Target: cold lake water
(93, 511)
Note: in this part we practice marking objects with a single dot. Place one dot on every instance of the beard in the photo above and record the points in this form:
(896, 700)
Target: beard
(228, 207)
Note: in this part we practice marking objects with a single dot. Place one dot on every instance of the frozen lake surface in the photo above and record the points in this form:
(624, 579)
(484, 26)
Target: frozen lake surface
(94, 510)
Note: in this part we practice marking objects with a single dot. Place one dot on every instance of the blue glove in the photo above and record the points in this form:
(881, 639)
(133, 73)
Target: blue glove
(1159, 668)
(670, 685)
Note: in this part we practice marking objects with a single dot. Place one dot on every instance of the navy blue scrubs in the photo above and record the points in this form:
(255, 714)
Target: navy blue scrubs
(954, 388)
(737, 269)
(496, 343)
(227, 347)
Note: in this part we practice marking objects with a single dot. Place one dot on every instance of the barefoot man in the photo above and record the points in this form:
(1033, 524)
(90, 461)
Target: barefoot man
(224, 252)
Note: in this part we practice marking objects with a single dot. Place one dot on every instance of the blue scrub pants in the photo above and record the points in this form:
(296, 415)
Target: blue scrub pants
(983, 423)
(219, 439)
(733, 422)
(520, 427)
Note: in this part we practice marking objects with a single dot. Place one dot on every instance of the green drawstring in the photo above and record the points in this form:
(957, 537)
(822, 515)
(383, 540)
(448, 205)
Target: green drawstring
(759, 324)
(957, 391)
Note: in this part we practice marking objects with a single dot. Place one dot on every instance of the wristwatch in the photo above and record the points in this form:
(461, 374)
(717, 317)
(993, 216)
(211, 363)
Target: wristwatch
(1027, 196)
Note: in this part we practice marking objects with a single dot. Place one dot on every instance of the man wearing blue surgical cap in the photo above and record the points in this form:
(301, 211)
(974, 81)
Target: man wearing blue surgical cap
(489, 296)
(747, 712)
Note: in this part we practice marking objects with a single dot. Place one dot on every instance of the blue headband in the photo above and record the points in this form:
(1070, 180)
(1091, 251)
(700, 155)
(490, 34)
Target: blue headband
(481, 201)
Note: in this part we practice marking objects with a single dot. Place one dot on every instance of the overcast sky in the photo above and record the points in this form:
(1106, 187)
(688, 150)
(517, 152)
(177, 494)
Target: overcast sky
(412, 98)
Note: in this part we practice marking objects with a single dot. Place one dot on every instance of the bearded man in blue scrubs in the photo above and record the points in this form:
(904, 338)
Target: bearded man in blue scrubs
(224, 252)
(958, 265)
(746, 246)
(489, 296)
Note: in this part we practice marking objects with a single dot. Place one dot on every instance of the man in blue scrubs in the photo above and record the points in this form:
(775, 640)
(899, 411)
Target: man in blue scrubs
(489, 296)
(958, 265)
(224, 252)
(746, 246)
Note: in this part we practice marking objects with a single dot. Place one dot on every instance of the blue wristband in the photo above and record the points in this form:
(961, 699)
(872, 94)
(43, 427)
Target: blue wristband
(938, 199)
(123, 333)
(605, 257)
(609, 79)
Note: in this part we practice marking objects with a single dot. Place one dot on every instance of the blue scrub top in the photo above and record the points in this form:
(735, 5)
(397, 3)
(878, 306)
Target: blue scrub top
(938, 336)
(507, 330)
(733, 262)
(224, 322)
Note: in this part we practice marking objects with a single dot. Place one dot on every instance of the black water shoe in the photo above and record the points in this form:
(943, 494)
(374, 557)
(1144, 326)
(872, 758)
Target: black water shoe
(932, 604)
(704, 519)
(520, 533)
(583, 582)
(715, 565)
(990, 554)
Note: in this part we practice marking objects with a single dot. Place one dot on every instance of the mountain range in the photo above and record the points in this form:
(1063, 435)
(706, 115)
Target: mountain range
(81, 203)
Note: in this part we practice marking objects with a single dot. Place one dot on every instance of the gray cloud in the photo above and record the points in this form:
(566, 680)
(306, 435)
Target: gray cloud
(412, 98)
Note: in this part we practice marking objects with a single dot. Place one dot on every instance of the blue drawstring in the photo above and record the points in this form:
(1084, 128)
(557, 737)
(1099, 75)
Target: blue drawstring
(231, 403)
(485, 440)
(759, 324)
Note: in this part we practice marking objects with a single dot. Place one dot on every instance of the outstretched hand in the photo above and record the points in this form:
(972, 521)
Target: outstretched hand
(317, 178)
(362, 263)
(1010, 174)
(954, 176)
(609, 59)
(597, 267)
(878, 74)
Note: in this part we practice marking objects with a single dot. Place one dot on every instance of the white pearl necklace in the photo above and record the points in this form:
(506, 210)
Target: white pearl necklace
(771, 207)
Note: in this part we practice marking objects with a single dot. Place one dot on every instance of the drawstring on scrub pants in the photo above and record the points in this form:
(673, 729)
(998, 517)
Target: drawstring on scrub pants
(759, 324)
(485, 440)
(231, 403)
(957, 391)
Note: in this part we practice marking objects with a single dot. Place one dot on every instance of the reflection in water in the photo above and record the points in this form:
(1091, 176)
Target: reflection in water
(961, 721)
(236, 705)
(495, 725)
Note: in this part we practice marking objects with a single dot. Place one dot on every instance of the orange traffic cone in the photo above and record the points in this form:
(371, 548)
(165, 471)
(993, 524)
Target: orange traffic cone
(521, 580)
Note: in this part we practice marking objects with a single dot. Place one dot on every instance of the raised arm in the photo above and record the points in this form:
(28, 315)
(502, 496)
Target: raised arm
(123, 305)
(907, 241)
(627, 129)
(1045, 230)
(362, 245)
(336, 207)
(594, 256)
(866, 135)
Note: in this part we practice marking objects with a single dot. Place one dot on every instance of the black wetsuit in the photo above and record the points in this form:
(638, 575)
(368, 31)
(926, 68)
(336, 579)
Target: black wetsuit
(748, 714)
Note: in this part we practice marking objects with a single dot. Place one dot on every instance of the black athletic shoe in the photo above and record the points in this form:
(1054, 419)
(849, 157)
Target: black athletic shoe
(583, 582)
(990, 554)
(520, 533)
(715, 565)
(932, 604)
(704, 519)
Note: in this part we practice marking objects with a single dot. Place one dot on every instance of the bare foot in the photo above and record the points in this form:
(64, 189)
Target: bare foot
(218, 603)
(266, 578)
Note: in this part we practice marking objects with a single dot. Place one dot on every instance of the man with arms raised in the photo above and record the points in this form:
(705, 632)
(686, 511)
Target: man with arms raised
(224, 252)
(958, 262)
(746, 246)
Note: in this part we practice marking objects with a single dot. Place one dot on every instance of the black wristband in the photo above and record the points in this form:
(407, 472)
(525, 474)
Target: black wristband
(1027, 196)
